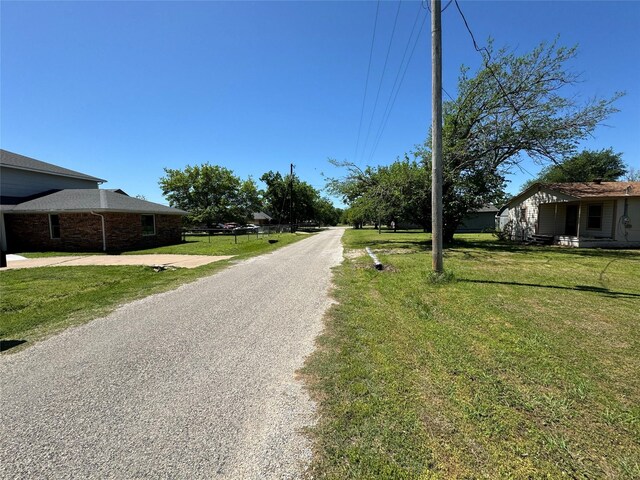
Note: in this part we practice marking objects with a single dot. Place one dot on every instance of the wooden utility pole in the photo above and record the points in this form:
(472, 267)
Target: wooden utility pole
(436, 133)
(291, 199)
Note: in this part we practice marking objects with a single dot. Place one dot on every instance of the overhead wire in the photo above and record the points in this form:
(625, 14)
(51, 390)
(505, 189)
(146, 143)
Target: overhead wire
(366, 85)
(393, 96)
(384, 68)
(486, 59)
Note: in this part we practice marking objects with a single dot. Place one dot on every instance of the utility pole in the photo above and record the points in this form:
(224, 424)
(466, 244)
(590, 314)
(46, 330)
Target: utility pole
(436, 133)
(291, 199)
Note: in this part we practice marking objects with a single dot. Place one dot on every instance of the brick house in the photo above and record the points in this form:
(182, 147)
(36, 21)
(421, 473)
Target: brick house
(46, 207)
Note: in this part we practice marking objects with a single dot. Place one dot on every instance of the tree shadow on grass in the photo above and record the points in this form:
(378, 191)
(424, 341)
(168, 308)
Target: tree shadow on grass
(498, 246)
(578, 288)
(474, 247)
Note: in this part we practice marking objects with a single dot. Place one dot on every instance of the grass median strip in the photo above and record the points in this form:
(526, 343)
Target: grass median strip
(37, 302)
(523, 365)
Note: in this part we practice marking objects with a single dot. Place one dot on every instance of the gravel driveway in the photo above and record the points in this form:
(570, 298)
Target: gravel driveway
(194, 383)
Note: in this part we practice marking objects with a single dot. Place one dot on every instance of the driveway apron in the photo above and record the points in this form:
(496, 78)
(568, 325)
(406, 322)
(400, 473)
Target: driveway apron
(198, 382)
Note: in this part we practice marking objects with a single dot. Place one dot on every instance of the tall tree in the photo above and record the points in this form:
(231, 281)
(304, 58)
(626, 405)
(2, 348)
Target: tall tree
(399, 192)
(513, 106)
(210, 193)
(305, 201)
(586, 166)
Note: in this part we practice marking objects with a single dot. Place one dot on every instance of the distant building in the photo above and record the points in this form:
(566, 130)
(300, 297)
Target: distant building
(480, 220)
(261, 218)
(47, 207)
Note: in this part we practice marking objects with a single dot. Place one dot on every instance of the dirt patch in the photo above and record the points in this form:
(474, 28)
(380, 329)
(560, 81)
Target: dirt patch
(395, 251)
(183, 261)
(351, 254)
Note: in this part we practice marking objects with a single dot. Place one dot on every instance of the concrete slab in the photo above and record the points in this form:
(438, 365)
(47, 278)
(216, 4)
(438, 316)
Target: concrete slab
(181, 261)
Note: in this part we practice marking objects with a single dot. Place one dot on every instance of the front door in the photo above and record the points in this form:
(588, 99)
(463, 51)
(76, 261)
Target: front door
(571, 223)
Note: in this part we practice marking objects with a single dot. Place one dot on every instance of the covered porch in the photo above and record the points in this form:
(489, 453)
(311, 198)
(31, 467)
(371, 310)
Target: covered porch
(579, 223)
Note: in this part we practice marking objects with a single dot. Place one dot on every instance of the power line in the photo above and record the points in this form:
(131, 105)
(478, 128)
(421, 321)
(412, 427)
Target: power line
(384, 68)
(366, 85)
(486, 59)
(426, 2)
(392, 96)
(466, 24)
(447, 94)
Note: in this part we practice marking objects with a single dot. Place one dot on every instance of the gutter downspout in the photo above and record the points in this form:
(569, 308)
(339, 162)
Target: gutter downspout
(104, 234)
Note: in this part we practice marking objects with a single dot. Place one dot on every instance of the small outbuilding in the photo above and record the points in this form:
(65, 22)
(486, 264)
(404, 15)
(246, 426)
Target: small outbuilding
(261, 218)
(480, 220)
(583, 214)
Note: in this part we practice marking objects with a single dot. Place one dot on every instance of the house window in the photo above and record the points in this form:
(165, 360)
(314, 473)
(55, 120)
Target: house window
(523, 214)
(148, 224)
(54, 226)
(594, 217)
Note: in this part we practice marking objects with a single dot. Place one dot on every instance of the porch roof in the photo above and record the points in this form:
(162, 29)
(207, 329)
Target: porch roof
(576, 191)
(584, 190)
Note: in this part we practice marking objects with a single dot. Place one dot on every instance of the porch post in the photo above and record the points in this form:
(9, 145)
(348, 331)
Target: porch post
(555, 219)
(578, 226)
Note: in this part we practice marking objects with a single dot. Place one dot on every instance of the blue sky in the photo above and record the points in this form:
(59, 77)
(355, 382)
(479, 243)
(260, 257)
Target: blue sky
(120, 90)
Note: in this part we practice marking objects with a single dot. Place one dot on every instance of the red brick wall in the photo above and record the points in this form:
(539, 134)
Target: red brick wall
(83, 232)
(124, 231)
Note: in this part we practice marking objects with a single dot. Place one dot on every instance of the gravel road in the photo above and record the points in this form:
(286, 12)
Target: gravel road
(198, 382)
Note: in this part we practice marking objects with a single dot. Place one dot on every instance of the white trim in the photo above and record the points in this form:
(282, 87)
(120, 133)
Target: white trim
(51, 227)
(104, 231)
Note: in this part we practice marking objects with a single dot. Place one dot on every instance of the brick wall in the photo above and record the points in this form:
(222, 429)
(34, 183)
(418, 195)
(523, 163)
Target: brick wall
(124, 231)
(83, 232)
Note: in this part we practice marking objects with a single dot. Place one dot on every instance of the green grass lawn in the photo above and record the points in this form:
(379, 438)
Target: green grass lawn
(243, 245)
(525, 365)
(35, 302)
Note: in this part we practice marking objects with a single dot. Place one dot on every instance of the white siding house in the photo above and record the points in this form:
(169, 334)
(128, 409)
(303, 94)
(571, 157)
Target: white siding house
(590, 214)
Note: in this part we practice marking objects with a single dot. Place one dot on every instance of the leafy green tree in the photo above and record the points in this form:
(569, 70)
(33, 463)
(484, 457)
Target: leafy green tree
(398, 192)
(277, 197)
(512, 106)
(326, 213)
(306, 202)
(210, 193)
(586, 166)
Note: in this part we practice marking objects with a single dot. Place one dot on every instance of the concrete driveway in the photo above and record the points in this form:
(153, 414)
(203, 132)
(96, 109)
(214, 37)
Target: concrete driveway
(183, 261)
(199, 382)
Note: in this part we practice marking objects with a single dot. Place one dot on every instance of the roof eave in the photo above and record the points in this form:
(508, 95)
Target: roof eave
(56, 174)
(97, 210)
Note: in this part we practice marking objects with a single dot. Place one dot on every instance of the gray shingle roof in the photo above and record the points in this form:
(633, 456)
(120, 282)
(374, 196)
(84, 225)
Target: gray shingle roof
(486, 209)
(90, 199)
(20, 162)
(261, 216)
